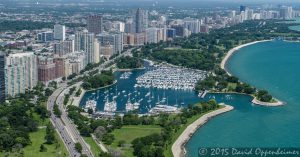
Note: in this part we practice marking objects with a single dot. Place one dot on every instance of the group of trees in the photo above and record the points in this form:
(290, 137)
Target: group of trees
(9, 25)
(18, 118)
(99, 80)
(196, 59)
(15, 124)
(50, 134)
(23, 25)
(81, 121)
(128, 62)
(155, 144)
(264, 96)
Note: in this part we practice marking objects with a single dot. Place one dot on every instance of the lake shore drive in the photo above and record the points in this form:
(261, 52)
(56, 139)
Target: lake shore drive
(178, 149)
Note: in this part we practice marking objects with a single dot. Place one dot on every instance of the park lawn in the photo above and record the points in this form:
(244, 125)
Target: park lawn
(130, 132)
(168, 151)
(38, 119)
(37, 138)
(94, 147)
(231, 86)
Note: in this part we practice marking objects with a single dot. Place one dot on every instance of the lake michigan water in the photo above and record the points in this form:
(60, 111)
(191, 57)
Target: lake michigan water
(274, 66)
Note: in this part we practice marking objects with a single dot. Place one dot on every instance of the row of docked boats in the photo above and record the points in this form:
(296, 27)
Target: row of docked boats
(166, 76)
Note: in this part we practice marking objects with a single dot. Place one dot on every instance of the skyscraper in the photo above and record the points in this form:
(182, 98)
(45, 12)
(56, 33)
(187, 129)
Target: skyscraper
(62, 48)
(46, 69)
(59, 32)
(113, 39)
(151, 35)
(192, 25)
(45, 36)
(2, 77)
(94, 24)
(141, 20)
(85, 41)
(286, 12)
(21, 73)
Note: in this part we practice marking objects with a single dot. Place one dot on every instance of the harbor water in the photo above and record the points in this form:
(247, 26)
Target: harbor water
(125, 89)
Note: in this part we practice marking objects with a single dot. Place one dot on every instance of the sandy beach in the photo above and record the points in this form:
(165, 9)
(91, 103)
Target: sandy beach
(178, 146)
(230, 52)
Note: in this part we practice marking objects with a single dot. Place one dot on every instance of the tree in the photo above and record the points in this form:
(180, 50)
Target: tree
(213, 103)
(43, 148)
(108, 138)
(232, 79)
(90, 111)
(56, 110)
(50, 134)
(77, 94)
(99, 132)
(78, 147)
(48, 92)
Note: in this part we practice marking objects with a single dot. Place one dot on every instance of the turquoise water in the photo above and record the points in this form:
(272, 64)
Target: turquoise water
(274, 66)
(295, 28)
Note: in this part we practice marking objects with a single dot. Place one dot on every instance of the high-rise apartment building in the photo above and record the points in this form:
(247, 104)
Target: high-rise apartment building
(95, 24)
(141, 20)
(45, 36)
(114, 39)
(286, 12)
(151, 35)
(86, 42)
(192, 25)
(59, 32)
(46, 69)
(62, 48)
(21, 73)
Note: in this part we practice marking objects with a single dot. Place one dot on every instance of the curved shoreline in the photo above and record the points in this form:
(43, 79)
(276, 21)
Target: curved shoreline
(178, 149)
(227, 57)
(233, 50)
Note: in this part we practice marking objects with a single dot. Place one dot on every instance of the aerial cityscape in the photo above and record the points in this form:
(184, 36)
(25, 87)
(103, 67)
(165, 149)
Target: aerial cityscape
(145, 78)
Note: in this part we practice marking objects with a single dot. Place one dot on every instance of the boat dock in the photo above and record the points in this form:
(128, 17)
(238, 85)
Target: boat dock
(203, 94)
(165, 76)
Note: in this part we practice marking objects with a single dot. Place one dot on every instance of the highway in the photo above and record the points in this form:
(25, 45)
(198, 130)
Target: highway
(59, 125)
(64, 126)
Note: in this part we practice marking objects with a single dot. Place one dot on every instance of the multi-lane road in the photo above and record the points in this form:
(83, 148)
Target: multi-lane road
(59, 125)
(63, 125)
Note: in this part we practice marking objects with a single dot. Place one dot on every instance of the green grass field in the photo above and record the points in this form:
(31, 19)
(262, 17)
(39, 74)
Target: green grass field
(231, 86)
(54, 150)
(129, 133)
(37, 138)
(94, 147)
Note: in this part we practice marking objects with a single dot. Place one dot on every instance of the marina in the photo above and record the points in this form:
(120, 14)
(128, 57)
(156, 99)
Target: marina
(128, 95)
(90, 104)
(165, 76)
